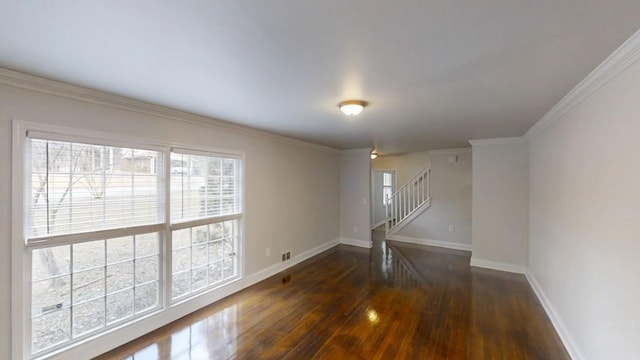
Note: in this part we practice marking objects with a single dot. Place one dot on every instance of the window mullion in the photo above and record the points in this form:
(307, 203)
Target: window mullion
(204, 221)
(71, 171)
(104, 275)
(70, 292)
(191, 261)
(235, 188)
(135, 265)
(220, 187)
(133, 184)
(47, 203)
(206, 190)
(166, 255)
(104, 187)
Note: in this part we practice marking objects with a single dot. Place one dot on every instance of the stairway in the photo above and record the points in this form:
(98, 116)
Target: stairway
(409, 201)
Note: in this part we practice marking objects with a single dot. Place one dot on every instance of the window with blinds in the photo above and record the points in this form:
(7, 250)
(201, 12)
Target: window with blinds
(78, 187)
(205, 216)
(203, 186)
(92, 228)
(101, 245)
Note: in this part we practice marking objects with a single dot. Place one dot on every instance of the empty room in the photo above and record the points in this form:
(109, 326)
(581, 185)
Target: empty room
(319, 179)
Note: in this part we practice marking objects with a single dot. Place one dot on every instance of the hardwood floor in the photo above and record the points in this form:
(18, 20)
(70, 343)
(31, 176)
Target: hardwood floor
(395, 301)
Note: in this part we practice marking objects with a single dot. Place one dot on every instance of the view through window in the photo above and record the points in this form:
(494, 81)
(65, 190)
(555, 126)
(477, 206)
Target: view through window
(203, 251)
(387, 188)
(96, 233)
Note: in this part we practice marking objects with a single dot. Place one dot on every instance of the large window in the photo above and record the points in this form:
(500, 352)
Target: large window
(102, 247)
(81, 288)
(205, 205)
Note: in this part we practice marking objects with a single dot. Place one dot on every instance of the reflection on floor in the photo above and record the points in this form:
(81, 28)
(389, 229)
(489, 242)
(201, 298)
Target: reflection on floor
(394, 301)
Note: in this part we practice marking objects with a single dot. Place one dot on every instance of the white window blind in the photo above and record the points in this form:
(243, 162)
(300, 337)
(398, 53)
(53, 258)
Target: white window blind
(77, 187)
(203, 186)
(205, 216)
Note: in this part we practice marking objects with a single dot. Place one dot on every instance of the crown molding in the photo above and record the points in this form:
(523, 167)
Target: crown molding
(357, 151)
(39, 84)
(450, 151)
(621, 59)
(499, 141)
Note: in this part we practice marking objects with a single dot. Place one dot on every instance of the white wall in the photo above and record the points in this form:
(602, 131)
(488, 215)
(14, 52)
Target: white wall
(292, 189)
(585, 219)
(500, 203)
(355, 193)
(405, 165)
(450, 201)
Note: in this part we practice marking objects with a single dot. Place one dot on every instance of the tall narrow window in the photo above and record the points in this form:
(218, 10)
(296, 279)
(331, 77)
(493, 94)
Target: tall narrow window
(205, 217)
(94, 213)
(387, 188)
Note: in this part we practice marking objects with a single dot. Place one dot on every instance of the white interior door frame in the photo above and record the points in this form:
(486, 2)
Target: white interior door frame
(378, 210)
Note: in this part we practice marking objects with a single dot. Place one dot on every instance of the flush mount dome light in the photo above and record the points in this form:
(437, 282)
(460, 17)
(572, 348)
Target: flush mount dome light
(352, 107)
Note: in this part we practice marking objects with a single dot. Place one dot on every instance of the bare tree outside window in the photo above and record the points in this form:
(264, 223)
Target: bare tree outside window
(80, 187)
(96, 226)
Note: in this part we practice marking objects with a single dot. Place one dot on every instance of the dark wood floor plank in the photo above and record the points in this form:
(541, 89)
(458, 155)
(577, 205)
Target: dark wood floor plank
(395, 301)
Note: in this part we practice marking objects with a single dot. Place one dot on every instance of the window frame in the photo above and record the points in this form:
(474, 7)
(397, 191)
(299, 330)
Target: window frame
(181, 224)
(21, 248)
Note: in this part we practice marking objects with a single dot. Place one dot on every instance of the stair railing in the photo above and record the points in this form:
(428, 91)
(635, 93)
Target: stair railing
(409, 198)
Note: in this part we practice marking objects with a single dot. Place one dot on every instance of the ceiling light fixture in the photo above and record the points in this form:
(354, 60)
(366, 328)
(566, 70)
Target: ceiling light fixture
(373, 155)
(352, 107)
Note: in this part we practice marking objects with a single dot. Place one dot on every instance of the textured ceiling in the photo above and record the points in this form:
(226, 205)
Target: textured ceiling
(436, 73)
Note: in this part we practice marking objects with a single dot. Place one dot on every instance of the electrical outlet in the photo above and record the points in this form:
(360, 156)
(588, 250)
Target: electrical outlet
(284, 257)
(452, 228)
(355, 229)
(288, 255)
(267, 252)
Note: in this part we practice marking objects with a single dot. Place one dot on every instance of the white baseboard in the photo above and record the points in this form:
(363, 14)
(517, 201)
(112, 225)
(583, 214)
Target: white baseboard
(438, 243)
(518, 269)
(564, 335)
(312, 252)
(121, 335)
(356, 242)
(558, 325)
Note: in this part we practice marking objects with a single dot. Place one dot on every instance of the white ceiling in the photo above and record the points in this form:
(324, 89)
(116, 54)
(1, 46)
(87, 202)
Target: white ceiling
(436, 73)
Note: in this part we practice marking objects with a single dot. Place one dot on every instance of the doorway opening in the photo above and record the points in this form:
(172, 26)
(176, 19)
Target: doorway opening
(383, 185)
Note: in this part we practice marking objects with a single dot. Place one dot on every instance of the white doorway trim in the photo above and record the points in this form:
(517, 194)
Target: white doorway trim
(374, 204)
